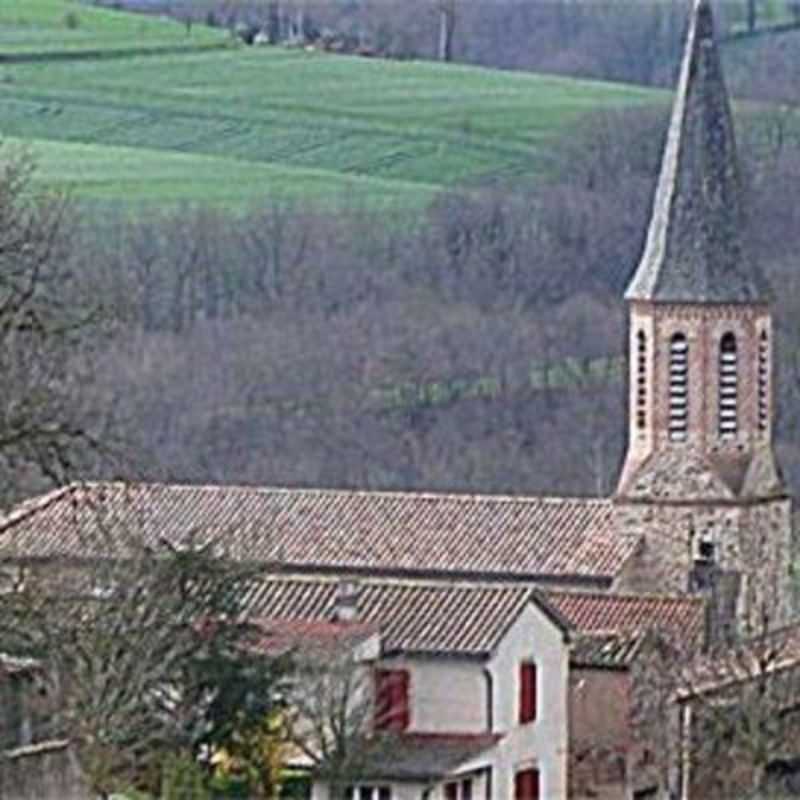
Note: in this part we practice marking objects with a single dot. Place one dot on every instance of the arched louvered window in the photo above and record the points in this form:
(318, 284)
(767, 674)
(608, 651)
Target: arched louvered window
(641, 380)
(678, 387)
(763, 381)
(728, 418)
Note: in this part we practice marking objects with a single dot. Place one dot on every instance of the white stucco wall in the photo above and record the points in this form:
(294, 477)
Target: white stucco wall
(446, 695)
(449, 695)
(541, 744)
(413, 791)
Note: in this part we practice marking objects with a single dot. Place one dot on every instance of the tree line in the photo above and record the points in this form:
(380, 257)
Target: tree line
(631, 42)
(472, 347)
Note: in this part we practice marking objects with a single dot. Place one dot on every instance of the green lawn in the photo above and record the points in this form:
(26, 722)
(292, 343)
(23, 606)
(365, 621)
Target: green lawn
(230, 125)
(54, 26)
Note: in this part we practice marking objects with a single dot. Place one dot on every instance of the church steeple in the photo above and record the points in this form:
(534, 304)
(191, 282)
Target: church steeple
(700, 324)
(700, 487)
(695, 251)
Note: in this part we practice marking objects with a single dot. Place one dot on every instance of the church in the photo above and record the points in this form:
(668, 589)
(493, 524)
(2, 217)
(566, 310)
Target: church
(492, 619)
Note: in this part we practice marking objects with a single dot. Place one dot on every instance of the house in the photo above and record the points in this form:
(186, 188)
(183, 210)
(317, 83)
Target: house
(739, 718)
(610, 753)
(469, 592)
(564, 659)
(35, 759)
(470, 679)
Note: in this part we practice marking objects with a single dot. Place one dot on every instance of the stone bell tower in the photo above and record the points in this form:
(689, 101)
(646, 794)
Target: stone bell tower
(700, 484)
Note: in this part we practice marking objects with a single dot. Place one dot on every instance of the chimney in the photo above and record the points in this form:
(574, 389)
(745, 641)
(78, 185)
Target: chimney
(346, 605)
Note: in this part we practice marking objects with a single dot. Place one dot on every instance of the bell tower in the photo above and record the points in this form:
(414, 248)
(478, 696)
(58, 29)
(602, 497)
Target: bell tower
(700, 484)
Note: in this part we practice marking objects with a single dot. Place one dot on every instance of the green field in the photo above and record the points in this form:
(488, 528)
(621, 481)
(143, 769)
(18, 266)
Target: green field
(57, 26)
(229, 125)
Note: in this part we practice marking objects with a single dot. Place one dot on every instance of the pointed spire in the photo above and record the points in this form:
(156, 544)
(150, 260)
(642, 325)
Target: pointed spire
(695, 250)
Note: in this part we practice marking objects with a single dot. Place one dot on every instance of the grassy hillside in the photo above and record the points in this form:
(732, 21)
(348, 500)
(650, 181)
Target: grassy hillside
(56, 26)
(227, 125)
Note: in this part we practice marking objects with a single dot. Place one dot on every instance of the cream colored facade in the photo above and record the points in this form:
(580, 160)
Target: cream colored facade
(462, 696)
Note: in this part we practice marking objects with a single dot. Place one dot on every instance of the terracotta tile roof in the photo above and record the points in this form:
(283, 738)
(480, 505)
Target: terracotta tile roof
(605, 651)
(426, 756)
(379, 532)
(413, 617)
(594, 613)
(747, 660)
(281, 635)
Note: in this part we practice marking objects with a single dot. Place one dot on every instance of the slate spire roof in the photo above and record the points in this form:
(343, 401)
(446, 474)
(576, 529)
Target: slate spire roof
(695, 250)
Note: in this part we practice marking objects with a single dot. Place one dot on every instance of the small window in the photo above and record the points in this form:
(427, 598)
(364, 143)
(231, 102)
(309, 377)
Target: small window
(763, 381)
(458, 791)
(728, 418)
(368, 793)
(392, 711)
(678, 387)
(526, 785)
(641, 380)
(527, 692)
(705, 550)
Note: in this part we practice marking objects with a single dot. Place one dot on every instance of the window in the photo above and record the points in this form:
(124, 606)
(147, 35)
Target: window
(526, 785)
(641, 380)
(458, 791)
(763, 381)
(368, 793)
(391, 700)
(728, 422)
(489, 700)
(527, 692)
(678, 387)
(701, 577)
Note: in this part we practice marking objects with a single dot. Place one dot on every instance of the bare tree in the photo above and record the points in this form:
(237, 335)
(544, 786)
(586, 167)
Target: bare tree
(723, 724)
(140, 648)
(447, 28)
(334, 716)
(49, 425)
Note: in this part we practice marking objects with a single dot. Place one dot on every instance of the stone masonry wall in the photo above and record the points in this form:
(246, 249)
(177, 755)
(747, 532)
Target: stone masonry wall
(752, 539)
(44, 771)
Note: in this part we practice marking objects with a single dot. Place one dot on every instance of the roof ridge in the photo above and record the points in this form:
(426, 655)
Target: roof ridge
(421, 583)
(391, 493)
(36, 503)
(624, 595)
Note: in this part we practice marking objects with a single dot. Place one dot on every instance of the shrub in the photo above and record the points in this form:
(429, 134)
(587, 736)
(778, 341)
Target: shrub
(183, 777)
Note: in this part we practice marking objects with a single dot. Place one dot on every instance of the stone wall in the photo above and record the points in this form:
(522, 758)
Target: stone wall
(599, 733)
(45, 771)
(751, 539)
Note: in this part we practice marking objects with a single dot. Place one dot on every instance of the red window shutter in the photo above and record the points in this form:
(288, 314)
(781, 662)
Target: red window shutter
(526, 785)
(401, 705)
(527, 692)
(524, 693)
(392, 711)
(383, 699)
(519, 786)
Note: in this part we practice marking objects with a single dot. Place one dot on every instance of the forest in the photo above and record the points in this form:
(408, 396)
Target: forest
(474, 342)
(475, 347)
